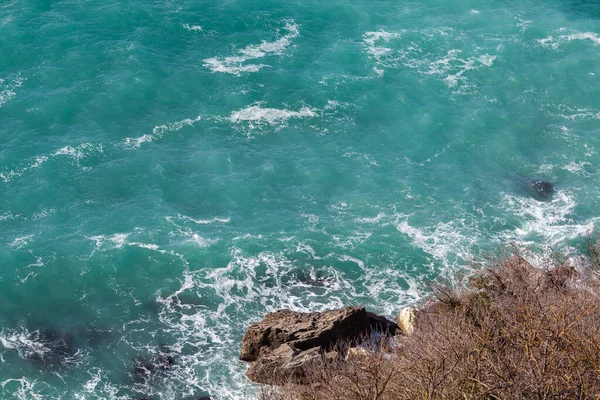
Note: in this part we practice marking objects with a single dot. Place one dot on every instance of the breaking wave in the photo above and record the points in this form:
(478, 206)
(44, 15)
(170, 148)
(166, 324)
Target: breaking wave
(237, 64)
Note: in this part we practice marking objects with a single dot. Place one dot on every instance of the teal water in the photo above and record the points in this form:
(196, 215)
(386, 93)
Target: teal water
(172, 170)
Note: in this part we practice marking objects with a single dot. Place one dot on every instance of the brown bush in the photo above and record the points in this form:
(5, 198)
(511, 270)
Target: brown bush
(515, 332)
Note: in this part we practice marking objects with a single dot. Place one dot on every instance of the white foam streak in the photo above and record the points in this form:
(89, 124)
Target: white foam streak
(7, 90)
(555, 42)
(21, 242)
(451, 67)
(116, 241)
(376, 51)
(577, 167)
(76, 154)
(158, 132)
(200, 241)
(235, 65)
(215, 220)
(259, 115)
(193, 28)
(444, 241)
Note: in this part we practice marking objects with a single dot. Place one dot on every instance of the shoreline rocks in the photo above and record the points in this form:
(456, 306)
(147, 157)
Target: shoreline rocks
(285, 343)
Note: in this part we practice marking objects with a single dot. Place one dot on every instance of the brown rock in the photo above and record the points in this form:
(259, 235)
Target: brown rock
(285, 342)
(282, 365)
(304, 330)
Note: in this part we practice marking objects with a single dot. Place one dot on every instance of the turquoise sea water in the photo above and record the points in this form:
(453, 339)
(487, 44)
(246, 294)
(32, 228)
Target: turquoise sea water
(172, 170)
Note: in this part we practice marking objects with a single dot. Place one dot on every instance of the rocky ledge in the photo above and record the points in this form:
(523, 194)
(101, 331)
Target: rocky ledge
(285, 343)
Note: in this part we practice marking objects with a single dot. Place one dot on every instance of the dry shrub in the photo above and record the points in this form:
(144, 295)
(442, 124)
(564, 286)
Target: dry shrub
(516, 332)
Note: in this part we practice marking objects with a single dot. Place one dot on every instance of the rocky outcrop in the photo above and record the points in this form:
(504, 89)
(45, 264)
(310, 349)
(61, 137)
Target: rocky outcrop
(539, 189)
(285, 343)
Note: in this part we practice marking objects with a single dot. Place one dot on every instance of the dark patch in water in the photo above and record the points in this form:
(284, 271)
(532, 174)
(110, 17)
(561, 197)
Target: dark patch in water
(96, 336)
(583, 8)
(54, 347)
(317, 279)
(158, 363)
(539, 189)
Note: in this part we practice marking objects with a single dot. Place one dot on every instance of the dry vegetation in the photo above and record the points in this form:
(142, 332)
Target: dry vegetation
(515, 332)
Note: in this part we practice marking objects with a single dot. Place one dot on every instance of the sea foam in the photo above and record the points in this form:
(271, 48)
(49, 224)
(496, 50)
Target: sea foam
(551, 222)
(412, 49)
(236, 64)
(257, 114)
(565, 36)
(7, 88)
(158, 132)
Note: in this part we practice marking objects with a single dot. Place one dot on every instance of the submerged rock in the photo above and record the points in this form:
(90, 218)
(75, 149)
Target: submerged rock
(147, 366)
(539, 189)
(50, 347)
(312, 278)
(284, 343)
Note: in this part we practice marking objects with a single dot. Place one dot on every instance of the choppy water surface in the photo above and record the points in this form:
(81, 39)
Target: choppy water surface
(170, 171)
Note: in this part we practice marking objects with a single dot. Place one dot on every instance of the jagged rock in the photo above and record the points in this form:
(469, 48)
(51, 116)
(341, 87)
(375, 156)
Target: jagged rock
(382, 324)
(282, 364)
(407, 319)
(285, 342)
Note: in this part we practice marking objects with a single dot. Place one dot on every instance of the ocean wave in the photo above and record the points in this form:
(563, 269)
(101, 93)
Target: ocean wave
(236, 65)
(187, 233)
(377, 51)
(7, 88)
(255, 114)
(214, 220)
(550, 223)
(120, 240)
(572, 113)
(448, 242)
(21, 241)
(408, 52)
(193, 28)
(158, 132)
(115, 241)
(9, 216)
(76, 154)
(566, 36)
(580, 168)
